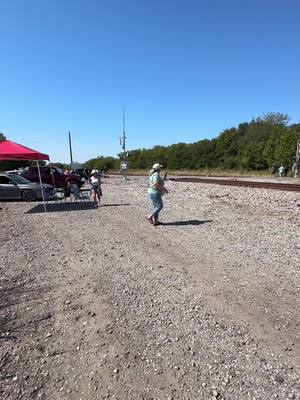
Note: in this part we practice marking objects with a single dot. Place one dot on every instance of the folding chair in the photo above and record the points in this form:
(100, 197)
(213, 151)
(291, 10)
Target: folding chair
(76, 195)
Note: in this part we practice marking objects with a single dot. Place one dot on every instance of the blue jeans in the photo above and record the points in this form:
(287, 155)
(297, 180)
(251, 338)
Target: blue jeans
(157, 204)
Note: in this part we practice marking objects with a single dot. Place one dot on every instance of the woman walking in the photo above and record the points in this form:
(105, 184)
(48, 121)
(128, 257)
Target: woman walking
(95, 181)
(156, 191)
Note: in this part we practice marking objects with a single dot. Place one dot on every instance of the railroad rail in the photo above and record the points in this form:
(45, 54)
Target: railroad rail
(291, 187)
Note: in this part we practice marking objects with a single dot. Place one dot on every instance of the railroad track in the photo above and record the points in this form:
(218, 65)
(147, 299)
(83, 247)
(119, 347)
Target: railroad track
(291, 187)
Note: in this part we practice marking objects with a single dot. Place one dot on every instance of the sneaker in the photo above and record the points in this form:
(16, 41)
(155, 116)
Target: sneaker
(149, 219)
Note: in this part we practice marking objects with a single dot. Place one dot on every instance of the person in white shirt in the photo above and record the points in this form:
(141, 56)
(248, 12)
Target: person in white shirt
(96, 190)
(281, 170)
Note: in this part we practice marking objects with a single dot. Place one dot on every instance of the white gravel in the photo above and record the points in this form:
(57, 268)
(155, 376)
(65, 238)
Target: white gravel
(98, 304)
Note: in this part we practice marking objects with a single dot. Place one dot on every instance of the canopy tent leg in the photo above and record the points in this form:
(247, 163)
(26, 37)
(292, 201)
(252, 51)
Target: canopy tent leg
(51, 172)
(41, 184)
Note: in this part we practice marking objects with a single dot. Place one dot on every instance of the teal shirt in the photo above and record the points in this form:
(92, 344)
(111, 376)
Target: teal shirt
(153, 179)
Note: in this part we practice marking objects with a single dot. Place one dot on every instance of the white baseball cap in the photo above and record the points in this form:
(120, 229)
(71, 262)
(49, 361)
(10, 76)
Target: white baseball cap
(157, 166)
(94, 171)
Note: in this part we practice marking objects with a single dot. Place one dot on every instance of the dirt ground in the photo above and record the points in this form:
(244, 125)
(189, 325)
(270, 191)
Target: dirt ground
(96, 303)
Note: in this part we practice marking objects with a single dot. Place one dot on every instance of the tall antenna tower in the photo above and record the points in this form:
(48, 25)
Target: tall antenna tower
(123, 138)
(124, 154)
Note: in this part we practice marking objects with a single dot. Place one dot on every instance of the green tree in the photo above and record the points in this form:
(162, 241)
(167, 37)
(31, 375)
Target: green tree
(252, 145)
(227, 149)
(177, 158)
(102, 163)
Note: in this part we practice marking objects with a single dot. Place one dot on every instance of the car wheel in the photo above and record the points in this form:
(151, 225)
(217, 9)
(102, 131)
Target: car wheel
(28, 195)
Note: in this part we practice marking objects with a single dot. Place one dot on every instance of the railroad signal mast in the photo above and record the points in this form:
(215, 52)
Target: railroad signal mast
(124, 154)
(297, 169)
(298, 152)
(296, 164)
(123, 138)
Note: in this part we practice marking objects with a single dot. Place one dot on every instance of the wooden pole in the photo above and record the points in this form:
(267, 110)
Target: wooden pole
(70, 146)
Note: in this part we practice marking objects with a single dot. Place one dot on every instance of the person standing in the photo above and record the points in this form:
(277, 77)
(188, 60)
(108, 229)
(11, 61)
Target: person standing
(295, 169)
(281, 170)
(273, 169)
(96, 190)
(86, 174)
(156, 191)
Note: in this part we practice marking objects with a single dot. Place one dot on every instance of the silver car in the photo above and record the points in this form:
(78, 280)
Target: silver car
(16, 187)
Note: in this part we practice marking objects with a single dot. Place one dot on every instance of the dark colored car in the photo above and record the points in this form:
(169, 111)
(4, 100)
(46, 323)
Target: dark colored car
(52, 176)
(80, 172)
(15, 187)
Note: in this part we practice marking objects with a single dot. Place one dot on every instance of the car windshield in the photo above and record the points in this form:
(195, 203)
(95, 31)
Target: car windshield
(19, 179)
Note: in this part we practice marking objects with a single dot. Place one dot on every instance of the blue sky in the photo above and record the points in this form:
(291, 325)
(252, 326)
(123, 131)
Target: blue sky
(184, 70)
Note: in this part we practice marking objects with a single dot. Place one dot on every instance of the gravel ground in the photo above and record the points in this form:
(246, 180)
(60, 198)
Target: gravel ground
(97, 303)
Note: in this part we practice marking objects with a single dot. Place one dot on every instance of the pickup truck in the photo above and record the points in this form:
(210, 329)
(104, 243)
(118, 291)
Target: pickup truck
(52, 176)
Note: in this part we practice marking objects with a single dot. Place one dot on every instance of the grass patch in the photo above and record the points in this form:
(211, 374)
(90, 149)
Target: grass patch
(206, 172)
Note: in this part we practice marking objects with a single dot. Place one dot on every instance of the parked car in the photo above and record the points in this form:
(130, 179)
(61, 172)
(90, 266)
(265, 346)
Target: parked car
(77, 168)
(14, 171)
(79, 172)
(52, 176)
(14, 187)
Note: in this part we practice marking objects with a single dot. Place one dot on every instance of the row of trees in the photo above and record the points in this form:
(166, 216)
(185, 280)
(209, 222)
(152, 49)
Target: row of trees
(254, 145)
(103, 163)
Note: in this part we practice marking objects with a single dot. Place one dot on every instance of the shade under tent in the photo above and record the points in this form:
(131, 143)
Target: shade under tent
(13, 151)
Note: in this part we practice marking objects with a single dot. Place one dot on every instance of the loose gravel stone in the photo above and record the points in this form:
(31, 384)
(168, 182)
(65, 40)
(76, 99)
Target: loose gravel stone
(187, 310)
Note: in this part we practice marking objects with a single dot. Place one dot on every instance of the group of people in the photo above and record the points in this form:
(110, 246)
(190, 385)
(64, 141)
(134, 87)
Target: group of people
(94, 179)
(156, 188)
(283, 171)
(155, 192)
(69, 171)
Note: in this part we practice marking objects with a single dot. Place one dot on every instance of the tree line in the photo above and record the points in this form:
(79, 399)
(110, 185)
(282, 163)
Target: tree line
(255, 145)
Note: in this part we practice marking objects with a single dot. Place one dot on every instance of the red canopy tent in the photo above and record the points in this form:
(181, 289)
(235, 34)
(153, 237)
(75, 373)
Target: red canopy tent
(14, 151)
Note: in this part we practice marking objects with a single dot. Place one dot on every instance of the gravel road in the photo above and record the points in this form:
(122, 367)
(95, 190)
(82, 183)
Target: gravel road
(96, 303)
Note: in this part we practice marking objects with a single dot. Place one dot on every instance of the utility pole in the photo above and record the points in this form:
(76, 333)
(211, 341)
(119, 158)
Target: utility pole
(70, 146)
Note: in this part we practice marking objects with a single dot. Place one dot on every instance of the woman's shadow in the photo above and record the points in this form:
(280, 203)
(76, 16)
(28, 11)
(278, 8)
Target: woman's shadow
(188, 222)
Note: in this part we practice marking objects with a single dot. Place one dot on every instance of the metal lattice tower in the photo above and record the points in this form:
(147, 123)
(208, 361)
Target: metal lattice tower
(123, 139)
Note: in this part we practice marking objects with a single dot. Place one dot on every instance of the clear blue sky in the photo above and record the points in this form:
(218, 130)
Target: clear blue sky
(183, 69)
